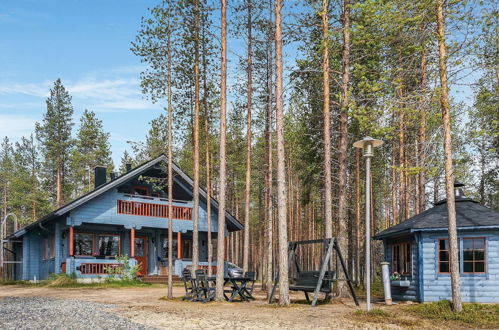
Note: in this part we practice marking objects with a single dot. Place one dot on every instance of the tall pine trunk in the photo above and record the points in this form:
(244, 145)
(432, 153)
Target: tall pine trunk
(342, 234)
(195, 211)
(58, 182)
(449, 169)
(170, 171)
(422, 132)
(223, 131)
(328, 203)
(248, 149)
(269, 173)
(281, 166)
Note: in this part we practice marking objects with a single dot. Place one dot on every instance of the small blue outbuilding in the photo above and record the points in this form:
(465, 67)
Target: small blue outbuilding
(417, 251)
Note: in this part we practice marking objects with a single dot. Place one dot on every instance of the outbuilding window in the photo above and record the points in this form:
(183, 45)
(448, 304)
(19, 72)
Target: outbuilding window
(473, 255)
(401, 258)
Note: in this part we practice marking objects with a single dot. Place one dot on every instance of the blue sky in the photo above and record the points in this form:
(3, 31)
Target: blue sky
(86, 44)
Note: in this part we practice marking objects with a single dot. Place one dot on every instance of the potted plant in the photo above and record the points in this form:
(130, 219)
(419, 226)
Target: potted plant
(396, 280)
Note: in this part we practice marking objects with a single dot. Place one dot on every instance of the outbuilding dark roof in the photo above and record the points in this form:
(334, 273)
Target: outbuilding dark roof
(469, 214)
(232, 224)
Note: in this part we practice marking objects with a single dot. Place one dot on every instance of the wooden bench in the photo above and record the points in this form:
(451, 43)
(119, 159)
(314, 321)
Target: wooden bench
(307, 282)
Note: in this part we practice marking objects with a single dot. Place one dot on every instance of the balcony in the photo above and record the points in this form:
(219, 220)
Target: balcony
(156, 210)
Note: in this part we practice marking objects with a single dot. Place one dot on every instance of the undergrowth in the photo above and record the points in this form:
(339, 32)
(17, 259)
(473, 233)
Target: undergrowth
(478, 315)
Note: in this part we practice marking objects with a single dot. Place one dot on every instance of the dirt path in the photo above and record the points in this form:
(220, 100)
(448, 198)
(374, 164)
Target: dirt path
(145, 306)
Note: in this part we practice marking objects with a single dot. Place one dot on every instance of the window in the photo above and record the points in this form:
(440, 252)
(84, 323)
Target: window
(48, 248)
(164, 248)
(401, 258)
(109, 245)
(443, 256)
(474, 255)
(83, 244)
(142, 191)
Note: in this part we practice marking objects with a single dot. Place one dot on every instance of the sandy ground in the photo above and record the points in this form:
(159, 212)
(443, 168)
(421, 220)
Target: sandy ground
(144, 306)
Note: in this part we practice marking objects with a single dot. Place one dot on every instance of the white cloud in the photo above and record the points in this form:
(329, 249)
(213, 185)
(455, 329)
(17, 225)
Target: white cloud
(16, 126)
(110, 90)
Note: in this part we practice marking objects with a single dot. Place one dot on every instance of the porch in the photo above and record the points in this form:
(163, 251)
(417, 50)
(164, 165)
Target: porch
(93, 249)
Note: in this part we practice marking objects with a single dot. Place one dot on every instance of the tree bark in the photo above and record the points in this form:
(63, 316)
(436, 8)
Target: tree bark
(170, 170)
(328, 204)
(248, 149)
(357, 215)
(281, 167)
(422, 132)
(207, 154)
(223, 131)
(449, 169)
(342, 234)
(269, 173)
(58, 179)
(195, 211)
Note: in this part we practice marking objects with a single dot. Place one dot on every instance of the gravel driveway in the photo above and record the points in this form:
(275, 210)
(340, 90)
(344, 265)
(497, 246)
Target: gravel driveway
(48, 313)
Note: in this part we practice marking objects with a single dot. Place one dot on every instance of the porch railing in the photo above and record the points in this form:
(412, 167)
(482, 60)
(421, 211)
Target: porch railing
(153, 210)
(98, 268)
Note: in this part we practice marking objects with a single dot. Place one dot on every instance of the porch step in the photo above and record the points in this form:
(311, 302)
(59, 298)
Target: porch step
(159, 279)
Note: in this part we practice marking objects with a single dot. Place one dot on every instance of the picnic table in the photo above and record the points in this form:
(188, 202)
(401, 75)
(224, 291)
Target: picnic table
(239, 287)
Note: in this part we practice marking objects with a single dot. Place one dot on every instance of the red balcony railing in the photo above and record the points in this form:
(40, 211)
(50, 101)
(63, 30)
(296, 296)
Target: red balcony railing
(98, 268)
(153, 210)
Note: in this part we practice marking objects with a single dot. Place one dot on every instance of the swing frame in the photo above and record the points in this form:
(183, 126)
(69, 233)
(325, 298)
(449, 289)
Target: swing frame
(328, 245)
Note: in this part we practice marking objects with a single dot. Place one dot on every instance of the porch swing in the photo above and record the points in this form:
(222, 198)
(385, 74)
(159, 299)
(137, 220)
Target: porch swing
(315, 281)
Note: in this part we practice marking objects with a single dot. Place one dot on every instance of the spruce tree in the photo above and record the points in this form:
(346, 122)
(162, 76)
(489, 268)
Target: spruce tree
(91, 149)
(54, 134)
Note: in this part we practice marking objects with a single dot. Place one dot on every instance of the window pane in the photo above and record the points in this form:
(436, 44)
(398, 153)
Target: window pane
(139, 247)
(109, 245)
(468, 255)
(479, 255)
(444, 267)
(468, 267)
(468, 244)
(479, 267)
(444, 245)
(444, 256)
(479, 243)
(83, 244)
(164, 248)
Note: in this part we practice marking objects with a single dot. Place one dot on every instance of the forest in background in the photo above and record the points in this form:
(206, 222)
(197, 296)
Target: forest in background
(382, 80)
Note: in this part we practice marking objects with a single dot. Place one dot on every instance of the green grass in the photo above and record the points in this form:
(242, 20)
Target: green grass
(477, 315)
(377, 315)
(68, 281)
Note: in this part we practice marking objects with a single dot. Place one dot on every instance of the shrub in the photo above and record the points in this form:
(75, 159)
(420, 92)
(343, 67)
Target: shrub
(125, 273)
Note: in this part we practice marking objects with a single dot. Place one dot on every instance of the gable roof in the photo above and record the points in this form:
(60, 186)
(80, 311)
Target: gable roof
(233, 224)
(469, 214)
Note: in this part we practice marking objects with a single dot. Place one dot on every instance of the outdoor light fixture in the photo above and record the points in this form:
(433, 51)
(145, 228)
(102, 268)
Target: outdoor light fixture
(367, 144)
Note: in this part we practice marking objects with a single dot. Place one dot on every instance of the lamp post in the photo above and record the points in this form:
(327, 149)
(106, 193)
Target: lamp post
(367, 144)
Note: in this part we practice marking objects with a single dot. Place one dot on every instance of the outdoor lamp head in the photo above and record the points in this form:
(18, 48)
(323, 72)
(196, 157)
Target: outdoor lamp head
(367, 144)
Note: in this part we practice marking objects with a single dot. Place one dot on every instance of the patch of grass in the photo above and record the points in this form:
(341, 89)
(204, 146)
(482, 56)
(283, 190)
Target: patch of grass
(11, 282)
(479, 315)
(377, 315)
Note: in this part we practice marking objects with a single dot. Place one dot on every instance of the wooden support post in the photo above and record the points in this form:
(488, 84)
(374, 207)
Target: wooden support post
(132, 242)
(179, 245)
(225, 248)
(71, 241)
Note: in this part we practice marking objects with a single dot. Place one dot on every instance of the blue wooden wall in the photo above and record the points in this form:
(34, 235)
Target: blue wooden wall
(474, 287)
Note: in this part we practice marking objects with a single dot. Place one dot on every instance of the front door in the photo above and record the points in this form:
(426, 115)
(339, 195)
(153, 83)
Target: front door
(141, 254)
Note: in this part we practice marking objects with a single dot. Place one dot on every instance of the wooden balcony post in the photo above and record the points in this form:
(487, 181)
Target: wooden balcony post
(132, 242)
(71, 241)
(179, 245)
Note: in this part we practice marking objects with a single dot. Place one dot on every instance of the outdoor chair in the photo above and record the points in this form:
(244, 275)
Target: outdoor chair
(188, 285)
(204, 291)
(250, 284)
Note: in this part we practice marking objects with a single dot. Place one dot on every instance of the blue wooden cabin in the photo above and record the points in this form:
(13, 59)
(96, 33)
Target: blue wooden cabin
(127, 215)
(417, 251)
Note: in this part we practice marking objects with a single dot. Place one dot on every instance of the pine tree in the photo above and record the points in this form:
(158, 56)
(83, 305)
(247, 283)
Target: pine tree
(6, 175)
(54, 134)
(125, 159)
(91, 149)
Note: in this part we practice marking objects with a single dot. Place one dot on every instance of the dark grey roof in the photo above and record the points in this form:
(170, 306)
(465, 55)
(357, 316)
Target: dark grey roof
(469, 214)
(233, 223)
